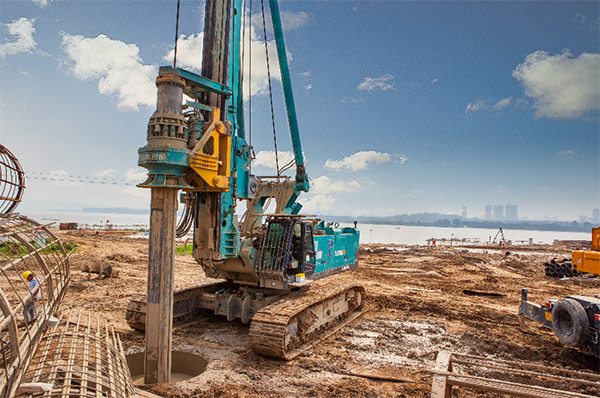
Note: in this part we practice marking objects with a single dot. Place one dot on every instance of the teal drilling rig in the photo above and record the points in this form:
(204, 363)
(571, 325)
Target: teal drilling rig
(266, 261)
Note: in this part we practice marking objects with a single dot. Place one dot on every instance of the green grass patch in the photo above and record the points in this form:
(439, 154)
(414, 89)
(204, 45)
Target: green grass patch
(181, 249)
(14, 249)
(68, 246)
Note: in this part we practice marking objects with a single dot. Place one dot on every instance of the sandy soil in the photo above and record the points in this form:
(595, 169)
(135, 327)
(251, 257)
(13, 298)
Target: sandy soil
(416, 305)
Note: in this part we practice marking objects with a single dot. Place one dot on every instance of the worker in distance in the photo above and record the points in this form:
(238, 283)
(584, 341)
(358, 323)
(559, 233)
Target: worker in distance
(29, 310)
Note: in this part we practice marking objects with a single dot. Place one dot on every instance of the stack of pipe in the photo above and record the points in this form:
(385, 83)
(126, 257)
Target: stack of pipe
(560, 269)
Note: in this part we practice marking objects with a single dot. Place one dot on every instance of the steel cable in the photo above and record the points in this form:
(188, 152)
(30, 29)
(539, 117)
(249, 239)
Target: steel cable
(270, 88)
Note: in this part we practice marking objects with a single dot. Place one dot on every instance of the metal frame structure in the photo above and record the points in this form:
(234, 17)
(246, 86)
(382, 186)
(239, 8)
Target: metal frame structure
(82, 356)
(515, 378)
(26, 246)
(12, 181)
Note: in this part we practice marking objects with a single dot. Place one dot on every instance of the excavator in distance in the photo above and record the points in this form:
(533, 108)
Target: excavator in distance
(265, 262)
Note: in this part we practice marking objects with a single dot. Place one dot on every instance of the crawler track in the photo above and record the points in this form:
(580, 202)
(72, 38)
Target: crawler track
(293, 324)
(185, 305)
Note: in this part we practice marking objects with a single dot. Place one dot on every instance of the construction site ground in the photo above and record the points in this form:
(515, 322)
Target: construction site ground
(419, 301)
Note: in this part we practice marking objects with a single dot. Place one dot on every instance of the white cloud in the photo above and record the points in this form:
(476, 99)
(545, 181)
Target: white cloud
(260, 82)
(294, 20)
(116, 65)
(105, 173)
(289, 21)
(267, 159)
(318, 203)
(136, 174)
(501, 104)
(500, 189)
(189, 52)
(42, 3)
(305, 75)
(484, 104)
(434, 81)
(561, 86)
(402, 159)
(383, 83)
(358, 161)
(189, 56)
(325, 185)
(22, 31)
(478, 105)
(308, 87)
(567, 153)
(583, 21)
(544, 188)
(348, 100)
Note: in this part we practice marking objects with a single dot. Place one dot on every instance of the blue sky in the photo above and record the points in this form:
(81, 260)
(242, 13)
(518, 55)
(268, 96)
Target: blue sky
(403, 107)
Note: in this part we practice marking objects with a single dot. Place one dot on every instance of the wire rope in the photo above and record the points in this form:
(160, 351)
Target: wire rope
(270, 87)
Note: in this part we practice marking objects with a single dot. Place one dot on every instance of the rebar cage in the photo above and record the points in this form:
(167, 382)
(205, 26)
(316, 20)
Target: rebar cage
(82, 356)
(27, 306)
(12, 181)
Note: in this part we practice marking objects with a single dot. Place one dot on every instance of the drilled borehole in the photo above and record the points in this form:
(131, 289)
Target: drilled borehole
(184, 365)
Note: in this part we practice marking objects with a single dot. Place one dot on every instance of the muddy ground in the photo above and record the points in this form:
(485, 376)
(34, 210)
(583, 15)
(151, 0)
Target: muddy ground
(416, 305)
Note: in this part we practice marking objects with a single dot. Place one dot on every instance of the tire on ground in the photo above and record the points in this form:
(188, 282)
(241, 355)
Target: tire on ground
(570, 322)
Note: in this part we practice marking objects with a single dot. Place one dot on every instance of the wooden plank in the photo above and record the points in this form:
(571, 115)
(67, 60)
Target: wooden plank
(440, 388)
(547, 369)
(506, 387)
(525, 372)
(32, 388)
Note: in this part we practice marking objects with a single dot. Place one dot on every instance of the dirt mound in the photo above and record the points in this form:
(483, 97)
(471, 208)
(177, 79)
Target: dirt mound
(122, 258)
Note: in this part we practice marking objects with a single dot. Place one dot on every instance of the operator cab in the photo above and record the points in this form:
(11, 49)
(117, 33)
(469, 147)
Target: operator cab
(288, 246)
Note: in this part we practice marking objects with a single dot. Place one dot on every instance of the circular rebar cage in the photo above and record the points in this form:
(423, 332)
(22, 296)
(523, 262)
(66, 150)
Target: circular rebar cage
(12, 181)
(81, 356)
(34, 275)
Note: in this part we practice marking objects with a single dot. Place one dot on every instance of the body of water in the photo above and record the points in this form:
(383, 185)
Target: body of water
(90, 219)
(414, 235)
(369, 233)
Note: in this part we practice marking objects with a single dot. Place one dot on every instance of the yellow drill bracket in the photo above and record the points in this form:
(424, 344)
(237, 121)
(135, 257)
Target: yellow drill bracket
(211, 157)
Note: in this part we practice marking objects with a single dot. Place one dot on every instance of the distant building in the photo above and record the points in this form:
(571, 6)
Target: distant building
(511, 212)
(488, 212)
(498, 212)
(463, 212)
(583, 219)
(596, 217)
